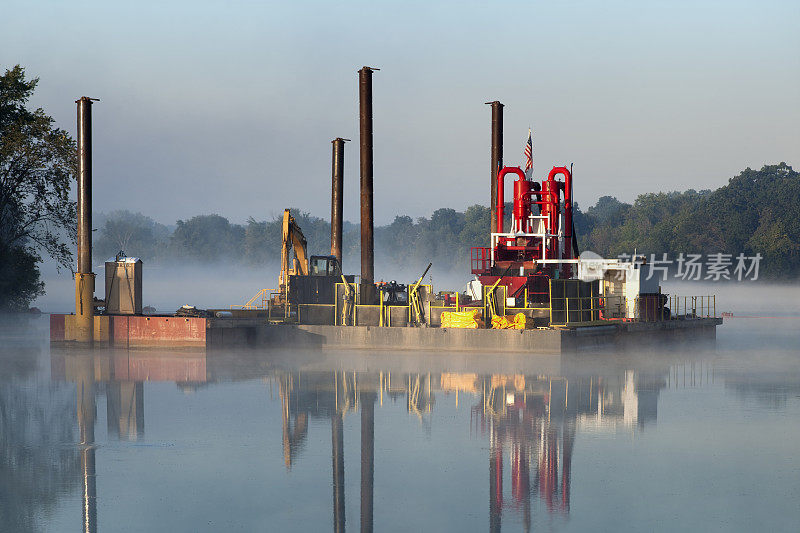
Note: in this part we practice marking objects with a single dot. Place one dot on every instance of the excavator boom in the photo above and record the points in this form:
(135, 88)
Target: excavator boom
(292, 240)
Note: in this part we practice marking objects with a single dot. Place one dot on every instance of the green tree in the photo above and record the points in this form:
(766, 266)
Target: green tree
(133, 233)
(208, 238)
(37, 164)
(261, 242)
(608, 209)
(397, 241)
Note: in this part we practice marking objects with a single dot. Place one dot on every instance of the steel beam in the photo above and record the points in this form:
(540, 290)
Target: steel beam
(367, 293)
(495, 158)
(337, 197)
(84, 278)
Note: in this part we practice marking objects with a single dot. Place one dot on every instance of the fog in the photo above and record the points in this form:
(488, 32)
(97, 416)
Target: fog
(168, 286)
(762, 336)
(698, 435)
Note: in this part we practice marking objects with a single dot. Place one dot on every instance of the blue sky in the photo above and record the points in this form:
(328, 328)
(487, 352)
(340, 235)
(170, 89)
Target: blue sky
(229, 107)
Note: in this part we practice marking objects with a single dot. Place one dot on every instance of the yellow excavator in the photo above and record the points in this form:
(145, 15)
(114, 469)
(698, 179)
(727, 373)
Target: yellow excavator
(304, 279)
(293, 239)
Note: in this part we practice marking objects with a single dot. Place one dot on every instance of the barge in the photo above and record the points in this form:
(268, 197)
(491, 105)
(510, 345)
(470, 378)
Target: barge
(533, 290)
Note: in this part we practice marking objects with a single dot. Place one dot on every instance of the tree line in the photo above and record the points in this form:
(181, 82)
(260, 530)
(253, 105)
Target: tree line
(444, 238)
(757, 212)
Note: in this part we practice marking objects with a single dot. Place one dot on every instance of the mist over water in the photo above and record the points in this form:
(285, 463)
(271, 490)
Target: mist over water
(662, 438)
(169, 286)
(766, 316)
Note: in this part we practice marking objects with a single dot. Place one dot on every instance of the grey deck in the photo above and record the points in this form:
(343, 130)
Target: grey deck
(226, 333)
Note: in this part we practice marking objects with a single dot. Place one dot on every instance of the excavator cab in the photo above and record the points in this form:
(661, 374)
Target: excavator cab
(324, 265)
(319, 285)
(304, 279)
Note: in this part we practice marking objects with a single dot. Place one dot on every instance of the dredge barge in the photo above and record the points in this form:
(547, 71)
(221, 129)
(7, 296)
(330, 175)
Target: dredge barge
(533, 292)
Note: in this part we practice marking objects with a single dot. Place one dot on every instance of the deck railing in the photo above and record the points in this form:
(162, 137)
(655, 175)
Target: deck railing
(574, 311)
(675, 307)
(259, 301)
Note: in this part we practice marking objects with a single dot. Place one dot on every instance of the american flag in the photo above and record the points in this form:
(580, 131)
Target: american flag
(529, 153)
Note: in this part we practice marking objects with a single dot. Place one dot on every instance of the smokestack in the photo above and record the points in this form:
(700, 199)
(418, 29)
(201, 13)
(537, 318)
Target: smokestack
(84, 278)
(337, 195)
(367, 293)
(496, 158)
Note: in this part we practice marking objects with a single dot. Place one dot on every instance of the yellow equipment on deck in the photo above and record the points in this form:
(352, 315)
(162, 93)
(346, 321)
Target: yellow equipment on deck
(518, 321)
(292, 239)
(462, 319)
(416, 302)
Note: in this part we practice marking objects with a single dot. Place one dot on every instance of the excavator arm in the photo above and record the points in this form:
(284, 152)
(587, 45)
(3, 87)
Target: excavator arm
(293, 239)
(299, 242)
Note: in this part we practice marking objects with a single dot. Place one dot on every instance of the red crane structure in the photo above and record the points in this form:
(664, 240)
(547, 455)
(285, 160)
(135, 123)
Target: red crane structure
(540, 243)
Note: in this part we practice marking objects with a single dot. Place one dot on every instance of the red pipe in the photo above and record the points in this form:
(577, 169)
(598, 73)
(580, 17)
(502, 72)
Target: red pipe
(522, 204)
(550, 209)
(567, 207)
(500, 209)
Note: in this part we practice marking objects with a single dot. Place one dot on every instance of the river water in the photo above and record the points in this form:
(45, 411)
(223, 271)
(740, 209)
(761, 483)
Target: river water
(672, 438)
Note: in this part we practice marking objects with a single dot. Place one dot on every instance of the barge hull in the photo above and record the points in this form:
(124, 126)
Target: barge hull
(220, 333)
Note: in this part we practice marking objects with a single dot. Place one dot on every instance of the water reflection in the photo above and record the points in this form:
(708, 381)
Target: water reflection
(772, 391)
(531, 419)
(529, 413)
(82, 371)
(330, 395)
(36, 418)
(120, 375)
(327, 396)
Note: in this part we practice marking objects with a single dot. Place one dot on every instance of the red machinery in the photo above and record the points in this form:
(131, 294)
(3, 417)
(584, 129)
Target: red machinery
(539, 245)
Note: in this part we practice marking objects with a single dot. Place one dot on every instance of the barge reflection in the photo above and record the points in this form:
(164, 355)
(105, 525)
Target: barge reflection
(530, 419)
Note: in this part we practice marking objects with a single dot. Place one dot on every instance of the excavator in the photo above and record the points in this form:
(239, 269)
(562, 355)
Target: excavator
(292, 239)
(304, 279)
